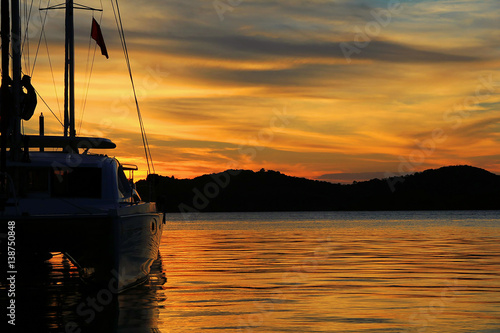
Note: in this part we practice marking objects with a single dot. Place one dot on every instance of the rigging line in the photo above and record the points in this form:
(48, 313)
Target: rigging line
(23, 29)
(87, 79)
(117, 24)
(139, 114)
(48, 107)
(87, 88)
(27, 36)
(39, 39)
(42, 33)
(44, 36)
(26, 40)
(52, 73)
(22, 14)
(145, 142)
(84, 102)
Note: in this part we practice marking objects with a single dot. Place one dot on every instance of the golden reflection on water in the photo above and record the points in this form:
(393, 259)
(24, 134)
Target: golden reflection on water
(356, 279)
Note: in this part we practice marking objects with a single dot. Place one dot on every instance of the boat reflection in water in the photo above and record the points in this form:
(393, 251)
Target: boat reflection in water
(51, 298)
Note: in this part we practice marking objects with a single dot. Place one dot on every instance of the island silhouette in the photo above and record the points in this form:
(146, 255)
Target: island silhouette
(460, 187)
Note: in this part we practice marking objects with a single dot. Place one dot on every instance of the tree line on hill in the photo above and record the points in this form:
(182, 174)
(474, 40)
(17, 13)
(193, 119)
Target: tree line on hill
(446, 188)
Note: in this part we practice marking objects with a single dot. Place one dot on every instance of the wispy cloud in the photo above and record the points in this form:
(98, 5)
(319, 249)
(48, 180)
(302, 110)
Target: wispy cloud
(226, 77)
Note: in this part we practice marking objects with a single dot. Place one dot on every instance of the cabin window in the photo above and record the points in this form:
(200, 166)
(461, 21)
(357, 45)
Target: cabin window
(31, 180)
(76, 183)
(37, 180)
(123, 183)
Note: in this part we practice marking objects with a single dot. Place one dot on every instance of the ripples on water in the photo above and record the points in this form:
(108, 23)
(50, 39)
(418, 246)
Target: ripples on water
(299, 272)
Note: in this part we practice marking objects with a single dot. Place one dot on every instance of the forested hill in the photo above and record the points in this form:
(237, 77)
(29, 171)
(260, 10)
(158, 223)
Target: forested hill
(452, 187)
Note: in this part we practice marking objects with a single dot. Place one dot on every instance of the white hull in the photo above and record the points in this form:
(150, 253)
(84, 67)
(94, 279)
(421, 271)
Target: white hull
(91, 213)
(138, 242)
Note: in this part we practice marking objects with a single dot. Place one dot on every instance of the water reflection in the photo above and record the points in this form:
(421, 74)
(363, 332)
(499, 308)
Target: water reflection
(51, 298)
(300, 272)
(376, 273)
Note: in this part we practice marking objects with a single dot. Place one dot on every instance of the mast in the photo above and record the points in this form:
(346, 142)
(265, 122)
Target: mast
(5, 26)
(5, 47)
(69, 73)
(10, 121)
(69, 64)
(16, 80)
(11, 95)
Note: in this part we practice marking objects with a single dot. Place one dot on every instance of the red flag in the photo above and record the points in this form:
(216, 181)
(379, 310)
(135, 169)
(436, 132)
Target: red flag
(97, 36)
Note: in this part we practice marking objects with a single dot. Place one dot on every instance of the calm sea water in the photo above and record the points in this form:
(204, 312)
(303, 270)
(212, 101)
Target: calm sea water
(296, 272)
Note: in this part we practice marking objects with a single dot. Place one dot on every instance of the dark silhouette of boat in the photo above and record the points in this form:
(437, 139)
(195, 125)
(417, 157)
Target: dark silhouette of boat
(68, 200)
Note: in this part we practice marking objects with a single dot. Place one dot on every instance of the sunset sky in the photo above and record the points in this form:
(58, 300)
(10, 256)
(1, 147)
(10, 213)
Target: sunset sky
(335, 90)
